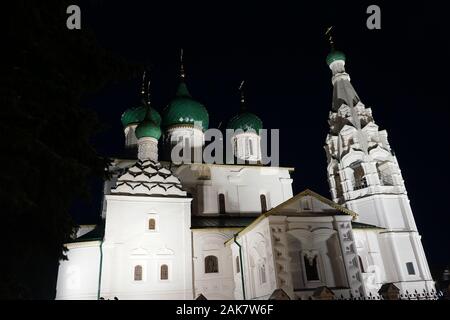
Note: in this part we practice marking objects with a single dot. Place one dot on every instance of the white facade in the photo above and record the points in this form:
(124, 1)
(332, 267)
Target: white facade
(217, 285)
(276, 249)
(180, 230)
(364, 175)
(78, 277)
(129, 243)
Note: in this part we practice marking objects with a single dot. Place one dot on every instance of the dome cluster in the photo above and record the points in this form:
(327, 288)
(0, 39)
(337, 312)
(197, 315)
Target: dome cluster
(181, 111)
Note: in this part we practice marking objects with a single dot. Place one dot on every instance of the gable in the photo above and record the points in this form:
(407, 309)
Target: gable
(306, 203)
(310, 203)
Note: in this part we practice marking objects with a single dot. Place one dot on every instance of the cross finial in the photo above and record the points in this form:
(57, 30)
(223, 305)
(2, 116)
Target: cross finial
(143, 86)
(241, 89)
(148, 92)
(182, 74)
(329, 35)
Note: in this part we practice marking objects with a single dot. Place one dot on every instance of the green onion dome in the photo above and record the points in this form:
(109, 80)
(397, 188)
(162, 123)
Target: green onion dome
(245, 121)
(334, 56)
(148, 129)
(183, 110)
(137, 115)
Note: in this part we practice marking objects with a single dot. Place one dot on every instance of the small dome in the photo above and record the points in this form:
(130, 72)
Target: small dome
(148, 129)
(334, 56)
(137, 115)
(245, 121)
(183, 110)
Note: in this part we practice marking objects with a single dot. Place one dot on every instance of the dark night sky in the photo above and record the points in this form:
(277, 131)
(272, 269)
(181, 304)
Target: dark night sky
(401, 71)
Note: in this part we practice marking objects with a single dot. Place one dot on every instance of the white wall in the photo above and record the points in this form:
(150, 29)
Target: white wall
(214, 286)
(128, 243)
(78, 276)
(257, 251)
(387, 211)
(241, 185)
(368, 249)
(280, 241)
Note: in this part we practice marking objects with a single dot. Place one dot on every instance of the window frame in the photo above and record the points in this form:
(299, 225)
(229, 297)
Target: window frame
(264, 208)
(138, 268)
(221, 202)
(215, 260)
(262, 273)
(167, 269)
(150, 225)
(410, 268)
(148, 217)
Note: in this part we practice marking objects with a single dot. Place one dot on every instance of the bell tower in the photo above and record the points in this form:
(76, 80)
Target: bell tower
(364, 175)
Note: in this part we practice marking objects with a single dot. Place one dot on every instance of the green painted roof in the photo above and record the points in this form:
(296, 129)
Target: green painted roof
(245, 121)
(184, 110)
(334, 56)
(136, 115)
(148, 128)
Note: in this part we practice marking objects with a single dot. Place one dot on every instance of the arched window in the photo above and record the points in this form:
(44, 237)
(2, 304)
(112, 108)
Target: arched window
(262, 273)
(250, 146)
(221, 203)
(138, 273)
(164, 272)
(211, 264)
(263, 200)
(238, 265)
(337, 182)
(152, 224)
(361, 264)
(385, 174)
(359, 179)
(312, 273)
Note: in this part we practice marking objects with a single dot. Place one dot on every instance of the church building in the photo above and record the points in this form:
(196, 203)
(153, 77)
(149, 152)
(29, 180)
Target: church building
(236, 231)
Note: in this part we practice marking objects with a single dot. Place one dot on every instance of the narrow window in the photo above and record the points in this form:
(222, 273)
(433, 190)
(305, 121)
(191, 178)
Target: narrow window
(306, 206)
(263, 202)
(359, 179)
(221, 203)
(410, 267)
(385, 174)
(311, 271)
(211, 264)
(152, 224)
(250, 145)
(164, 272)
(262, 273)
(337, 181)
(361, 264)
(247, 147)
(238, 265)
(138, 273)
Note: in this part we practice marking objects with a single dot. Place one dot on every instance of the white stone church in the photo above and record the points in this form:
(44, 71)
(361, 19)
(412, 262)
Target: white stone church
(236, 231)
